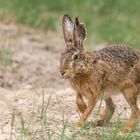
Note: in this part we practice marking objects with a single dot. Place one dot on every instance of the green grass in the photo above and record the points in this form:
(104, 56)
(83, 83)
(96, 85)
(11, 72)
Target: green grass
(106, 20)
(40, 128)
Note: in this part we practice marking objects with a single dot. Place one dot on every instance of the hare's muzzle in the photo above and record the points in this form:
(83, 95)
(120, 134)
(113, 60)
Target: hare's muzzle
(64, 74)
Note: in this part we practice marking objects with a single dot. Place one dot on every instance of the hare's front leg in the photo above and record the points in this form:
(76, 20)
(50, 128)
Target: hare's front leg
(108, 113)
(80, 103)
(130, 94)
(88, 110)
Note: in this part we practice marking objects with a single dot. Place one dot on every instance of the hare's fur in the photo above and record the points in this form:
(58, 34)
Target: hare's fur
(93, 75)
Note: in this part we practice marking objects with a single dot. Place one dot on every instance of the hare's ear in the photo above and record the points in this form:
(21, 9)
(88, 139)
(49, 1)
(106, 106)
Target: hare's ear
(68, 26)
(79, 34)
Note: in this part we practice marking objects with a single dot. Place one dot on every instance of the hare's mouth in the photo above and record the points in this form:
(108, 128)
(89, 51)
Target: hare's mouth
(65, 75)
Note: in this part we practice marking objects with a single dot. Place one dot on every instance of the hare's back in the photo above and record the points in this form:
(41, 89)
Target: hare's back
(119, 54)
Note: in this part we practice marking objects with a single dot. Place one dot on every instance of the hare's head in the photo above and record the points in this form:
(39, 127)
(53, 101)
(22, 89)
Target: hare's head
(72, 59)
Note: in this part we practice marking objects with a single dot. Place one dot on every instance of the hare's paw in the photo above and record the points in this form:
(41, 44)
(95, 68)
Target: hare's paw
(126, 129)
(79, 124)
(99, 122)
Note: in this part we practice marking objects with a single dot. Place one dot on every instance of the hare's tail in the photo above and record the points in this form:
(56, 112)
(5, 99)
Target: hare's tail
(137, 72)
(138, 55)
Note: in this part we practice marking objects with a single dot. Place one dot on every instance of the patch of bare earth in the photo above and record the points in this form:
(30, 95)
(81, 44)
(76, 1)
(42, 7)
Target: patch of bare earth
(31, 80)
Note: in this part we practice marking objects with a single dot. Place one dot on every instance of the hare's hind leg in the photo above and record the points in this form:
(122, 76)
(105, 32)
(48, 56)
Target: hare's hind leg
(80, 103)
(138, 87)
(108, 113)
(130, 94)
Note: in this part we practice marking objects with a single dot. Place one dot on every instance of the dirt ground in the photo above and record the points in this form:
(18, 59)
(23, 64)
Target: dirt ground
(34, 74)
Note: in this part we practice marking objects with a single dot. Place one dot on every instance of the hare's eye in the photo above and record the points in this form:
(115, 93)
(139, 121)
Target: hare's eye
(76, 57)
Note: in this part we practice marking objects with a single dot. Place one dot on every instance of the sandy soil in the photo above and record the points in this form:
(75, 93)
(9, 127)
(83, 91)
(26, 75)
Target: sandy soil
(32, 75)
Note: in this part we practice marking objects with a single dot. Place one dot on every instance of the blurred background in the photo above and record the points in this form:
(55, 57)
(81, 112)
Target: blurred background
(106, 20)
(31, 37)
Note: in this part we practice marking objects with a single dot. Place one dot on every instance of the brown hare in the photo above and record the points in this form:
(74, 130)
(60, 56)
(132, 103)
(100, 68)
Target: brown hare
(100, 74)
